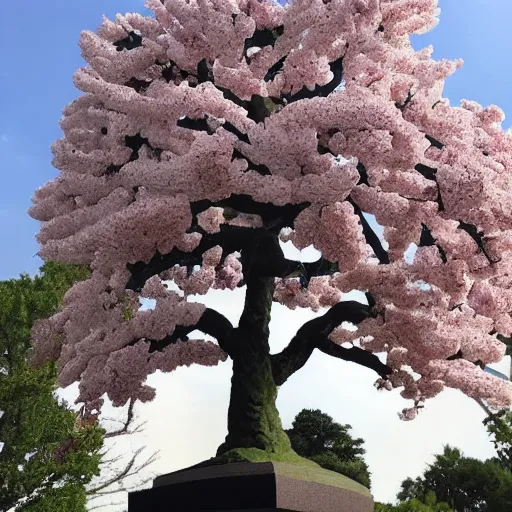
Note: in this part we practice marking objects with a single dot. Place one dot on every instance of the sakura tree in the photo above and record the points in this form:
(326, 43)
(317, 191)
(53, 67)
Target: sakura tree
(214, 130)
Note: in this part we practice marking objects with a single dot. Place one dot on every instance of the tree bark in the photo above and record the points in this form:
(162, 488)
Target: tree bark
(253, 419)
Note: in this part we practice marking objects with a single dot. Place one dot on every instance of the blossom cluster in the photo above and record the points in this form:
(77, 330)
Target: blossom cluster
(166, 121)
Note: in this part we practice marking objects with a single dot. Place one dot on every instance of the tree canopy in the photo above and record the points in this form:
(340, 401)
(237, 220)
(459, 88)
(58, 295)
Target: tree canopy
(465, 483)
(46, 458)
(499, 427)
(316, 436)
(212, 131)
(414, 505)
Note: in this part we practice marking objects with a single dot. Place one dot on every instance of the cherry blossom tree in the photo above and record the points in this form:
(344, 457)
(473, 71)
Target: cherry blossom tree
(215, 130)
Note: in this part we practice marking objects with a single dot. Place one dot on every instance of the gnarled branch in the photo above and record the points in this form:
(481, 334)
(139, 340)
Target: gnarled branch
(371, 238)
(267, 260)
(230, 238)
(133, 467)
(314, 334)
(211, 322)
(353, 354)
(126, 423)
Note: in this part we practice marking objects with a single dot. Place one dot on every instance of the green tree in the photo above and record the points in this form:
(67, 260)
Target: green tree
(316, 436)
(466, 484)
(499, 427)
(47, 458)
(414, 505)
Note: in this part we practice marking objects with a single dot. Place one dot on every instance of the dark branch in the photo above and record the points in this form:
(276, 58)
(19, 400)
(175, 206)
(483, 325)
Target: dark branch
(430, 173)
(230, 238)
(459, 355)
(124, 429)
(477, 236)
(205, 72)
(426, 239)
(427, 172)
(371, 238)
(401, 106)
(274, 70)
(320, 91)
(437, 144)
(314, 334)
(259, 168)
(263, 37)
(355, 355)
(266, 259)
(320, 267)
(363, 174)
(130, 42)
(138, 85)
(211, 322)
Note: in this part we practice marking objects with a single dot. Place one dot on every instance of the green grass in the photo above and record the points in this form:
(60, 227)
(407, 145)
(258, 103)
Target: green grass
(291, 465)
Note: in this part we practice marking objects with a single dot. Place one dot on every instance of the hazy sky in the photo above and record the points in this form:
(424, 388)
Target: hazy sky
(39, 54)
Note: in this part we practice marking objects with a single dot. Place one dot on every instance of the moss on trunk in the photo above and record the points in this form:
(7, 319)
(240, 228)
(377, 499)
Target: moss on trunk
(253, 419)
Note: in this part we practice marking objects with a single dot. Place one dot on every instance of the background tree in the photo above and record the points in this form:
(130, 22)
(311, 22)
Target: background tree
(215, 130)
(52, 458)
(466, 484)
(316, 436)
(414, 505)
(109, 488)
(45, 461)
(499, 427)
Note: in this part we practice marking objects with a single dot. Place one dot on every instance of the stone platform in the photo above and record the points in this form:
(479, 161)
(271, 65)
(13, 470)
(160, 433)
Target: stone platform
(254, 487)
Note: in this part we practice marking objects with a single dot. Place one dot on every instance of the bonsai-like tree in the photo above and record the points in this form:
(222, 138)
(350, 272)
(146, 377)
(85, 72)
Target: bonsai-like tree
(217, 128)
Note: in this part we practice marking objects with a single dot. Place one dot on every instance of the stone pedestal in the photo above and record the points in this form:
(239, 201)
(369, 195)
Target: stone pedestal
(254, 487)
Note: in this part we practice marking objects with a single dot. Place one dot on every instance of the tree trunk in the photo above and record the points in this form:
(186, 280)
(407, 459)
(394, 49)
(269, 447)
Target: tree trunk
(253, 419)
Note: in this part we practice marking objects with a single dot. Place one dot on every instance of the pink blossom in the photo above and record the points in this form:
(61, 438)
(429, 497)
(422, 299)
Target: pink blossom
(229, 274)
(318, 294)
(133, 174)
(211, 219)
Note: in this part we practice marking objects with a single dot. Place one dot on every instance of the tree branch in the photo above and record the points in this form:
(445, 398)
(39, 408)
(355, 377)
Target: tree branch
(371, 238)
(314, 334)
(211, 322)
(353, 354)
(124, 429)
(124, 473)
(426, 239)
(478, 237)
(267, 259)
(97, 507)
(230, 238)
(320, 90)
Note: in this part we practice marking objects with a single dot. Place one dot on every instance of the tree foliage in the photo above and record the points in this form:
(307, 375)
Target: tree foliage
(499, 427)
(316, 436)
(46, 459)
(430, 504)
(465, 483)
(212, 132)
(61, 453)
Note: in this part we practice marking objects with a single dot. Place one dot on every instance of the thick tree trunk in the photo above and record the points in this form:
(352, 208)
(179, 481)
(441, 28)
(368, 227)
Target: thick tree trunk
(253, 419)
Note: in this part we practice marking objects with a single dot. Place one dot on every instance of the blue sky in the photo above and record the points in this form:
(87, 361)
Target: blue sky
(39, 53)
